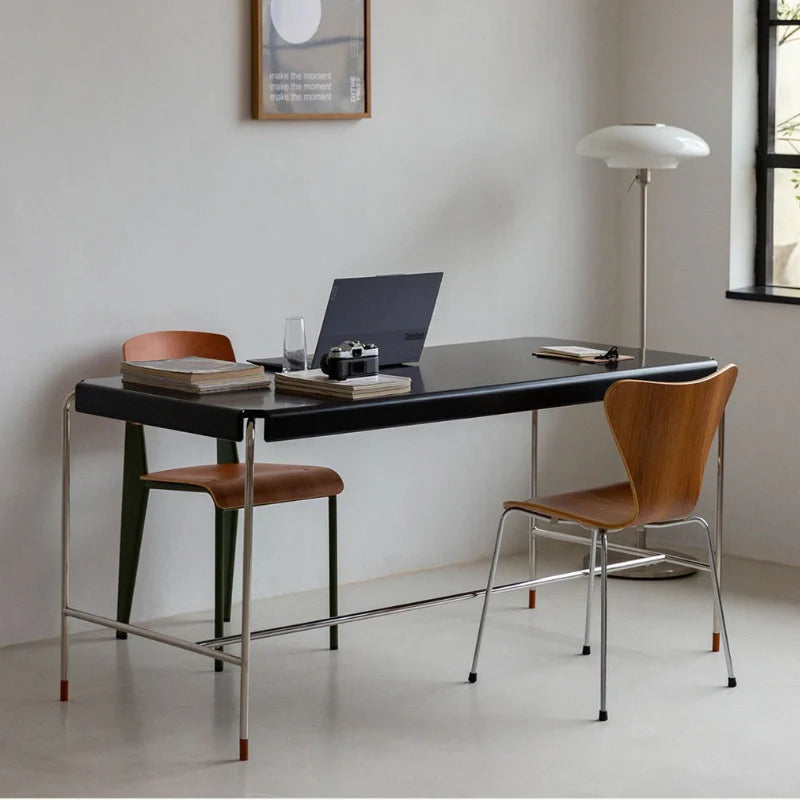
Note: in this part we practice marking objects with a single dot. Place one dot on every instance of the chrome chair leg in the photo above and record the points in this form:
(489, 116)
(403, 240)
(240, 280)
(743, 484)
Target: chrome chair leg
(718, 523)
(590, 593)
(473, 675)
(718, 600)
(603, 622)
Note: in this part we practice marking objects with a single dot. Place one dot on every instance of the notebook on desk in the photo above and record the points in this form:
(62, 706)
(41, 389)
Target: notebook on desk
(392, 311)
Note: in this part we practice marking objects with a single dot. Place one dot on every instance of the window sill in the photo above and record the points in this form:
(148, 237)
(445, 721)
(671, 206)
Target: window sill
(765, 294)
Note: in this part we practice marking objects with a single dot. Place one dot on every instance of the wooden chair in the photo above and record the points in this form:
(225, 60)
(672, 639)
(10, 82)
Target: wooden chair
(663, 432)
(223, 481)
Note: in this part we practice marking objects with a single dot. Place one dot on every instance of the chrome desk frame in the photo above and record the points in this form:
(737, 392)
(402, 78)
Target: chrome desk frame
(208, 647)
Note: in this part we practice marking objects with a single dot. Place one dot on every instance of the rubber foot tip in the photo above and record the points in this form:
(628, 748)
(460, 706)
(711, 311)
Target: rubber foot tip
(64, 691)
(122, 635)
(473, 676)
(244, 755)
(586, 650)
(532, 598)
(603, 716)
(731, 682)
(715, 643)
(217, 666)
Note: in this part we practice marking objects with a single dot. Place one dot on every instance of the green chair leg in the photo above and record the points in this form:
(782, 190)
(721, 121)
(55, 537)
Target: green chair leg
(228, 454)
(230, 520)
(333, 569)
(219, 578)
(134, 509)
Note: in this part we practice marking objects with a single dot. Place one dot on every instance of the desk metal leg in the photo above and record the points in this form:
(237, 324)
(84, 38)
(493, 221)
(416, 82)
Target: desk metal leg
(534, 488)
(65, 474)
(247, 559)
(717, 555)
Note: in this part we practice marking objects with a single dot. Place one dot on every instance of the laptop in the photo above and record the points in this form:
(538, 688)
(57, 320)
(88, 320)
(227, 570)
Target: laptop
(392, 311)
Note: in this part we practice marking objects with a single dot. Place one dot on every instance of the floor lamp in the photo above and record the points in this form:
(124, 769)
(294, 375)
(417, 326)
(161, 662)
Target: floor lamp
(644, 147)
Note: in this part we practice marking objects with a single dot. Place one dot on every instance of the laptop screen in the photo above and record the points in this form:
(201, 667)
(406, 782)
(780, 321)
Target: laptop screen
(392, 311)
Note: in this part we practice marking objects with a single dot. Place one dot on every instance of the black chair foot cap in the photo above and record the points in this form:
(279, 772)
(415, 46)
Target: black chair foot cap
(731, 682)
(122, 635)
(217, 666)
(603, 716)
(586, 650)
(473, 676)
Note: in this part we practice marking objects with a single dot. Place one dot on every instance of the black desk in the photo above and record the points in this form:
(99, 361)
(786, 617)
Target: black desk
(451, 382)
(455, 381)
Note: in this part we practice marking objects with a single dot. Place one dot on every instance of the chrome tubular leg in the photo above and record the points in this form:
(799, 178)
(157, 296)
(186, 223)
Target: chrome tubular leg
(534, 492)
(603, 622)
(718, 601)
(716, 556)
(247, 559)
(590, 593)
(65, 511)
(473, 675)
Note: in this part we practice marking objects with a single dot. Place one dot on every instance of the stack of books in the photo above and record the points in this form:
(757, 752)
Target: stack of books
(314, 383)
(194, 375)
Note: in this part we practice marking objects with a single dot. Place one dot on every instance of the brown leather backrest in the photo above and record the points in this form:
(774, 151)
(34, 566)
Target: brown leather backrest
(177, 344)
(663, 432)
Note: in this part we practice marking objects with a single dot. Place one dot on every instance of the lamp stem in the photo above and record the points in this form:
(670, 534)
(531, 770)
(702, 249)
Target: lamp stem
(643, 178)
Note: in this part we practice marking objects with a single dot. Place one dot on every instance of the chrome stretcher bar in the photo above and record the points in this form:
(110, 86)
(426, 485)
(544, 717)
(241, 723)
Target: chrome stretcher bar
(451, 382)
(206, 647)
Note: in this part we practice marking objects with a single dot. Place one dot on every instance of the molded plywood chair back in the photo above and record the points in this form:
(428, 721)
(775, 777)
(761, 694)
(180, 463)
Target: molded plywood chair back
(663, 432)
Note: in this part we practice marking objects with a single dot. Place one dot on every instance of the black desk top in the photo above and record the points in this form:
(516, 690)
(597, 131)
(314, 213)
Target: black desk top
(455, 381)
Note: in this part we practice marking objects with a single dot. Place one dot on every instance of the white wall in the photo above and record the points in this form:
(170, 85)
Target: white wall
(137, 195)
(702, 238)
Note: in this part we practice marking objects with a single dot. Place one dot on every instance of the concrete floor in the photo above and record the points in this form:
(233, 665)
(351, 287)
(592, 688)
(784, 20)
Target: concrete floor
(391, 713)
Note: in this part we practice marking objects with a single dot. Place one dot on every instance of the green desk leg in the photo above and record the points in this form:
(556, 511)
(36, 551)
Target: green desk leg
(134, 508)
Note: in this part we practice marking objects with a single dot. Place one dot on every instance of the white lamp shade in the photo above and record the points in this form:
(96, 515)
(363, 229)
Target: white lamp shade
(647, 146)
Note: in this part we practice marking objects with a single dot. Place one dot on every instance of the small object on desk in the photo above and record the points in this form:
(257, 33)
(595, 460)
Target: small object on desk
(351, 359)
(314, 383)
(295, 354)
(194, 375)
(577, 353)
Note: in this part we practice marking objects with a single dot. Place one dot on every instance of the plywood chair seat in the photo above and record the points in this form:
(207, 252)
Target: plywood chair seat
(606, 507)
(274, 483)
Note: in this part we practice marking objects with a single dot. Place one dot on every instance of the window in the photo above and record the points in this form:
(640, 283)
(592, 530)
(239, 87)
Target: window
(778, 152)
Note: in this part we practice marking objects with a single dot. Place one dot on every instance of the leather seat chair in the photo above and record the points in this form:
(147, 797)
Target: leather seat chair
(223, 482)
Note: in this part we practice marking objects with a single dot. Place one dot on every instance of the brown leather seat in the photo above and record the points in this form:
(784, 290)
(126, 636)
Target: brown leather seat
(274, 483)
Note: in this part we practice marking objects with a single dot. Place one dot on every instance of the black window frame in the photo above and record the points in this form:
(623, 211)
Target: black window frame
(767, 160)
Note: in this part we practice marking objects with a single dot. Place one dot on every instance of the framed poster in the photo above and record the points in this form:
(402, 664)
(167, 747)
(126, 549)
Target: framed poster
(310, 59)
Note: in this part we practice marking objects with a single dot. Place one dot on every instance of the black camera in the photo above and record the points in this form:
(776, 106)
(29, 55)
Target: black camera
(350, 360)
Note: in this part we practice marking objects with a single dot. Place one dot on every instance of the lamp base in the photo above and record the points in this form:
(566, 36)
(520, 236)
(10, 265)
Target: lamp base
(661, 570)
